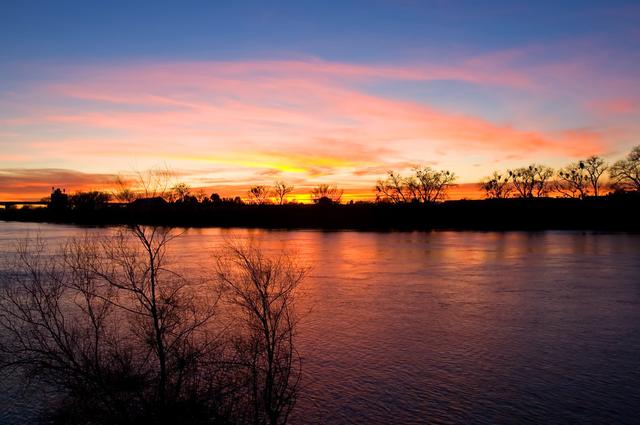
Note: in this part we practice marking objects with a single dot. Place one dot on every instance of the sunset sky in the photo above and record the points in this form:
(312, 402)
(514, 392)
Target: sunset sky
(229, 93)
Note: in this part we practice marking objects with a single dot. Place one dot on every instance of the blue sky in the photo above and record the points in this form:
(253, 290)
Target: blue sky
(341, 30)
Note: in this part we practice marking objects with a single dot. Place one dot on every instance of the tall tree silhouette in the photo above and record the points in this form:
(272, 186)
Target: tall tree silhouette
(573, 181)
(595, 167)
(259, 195)
(497, 186)
(392, 189)
(532, 181)
(625, 173)
(180, 192)
(281, 190)
(424, 185)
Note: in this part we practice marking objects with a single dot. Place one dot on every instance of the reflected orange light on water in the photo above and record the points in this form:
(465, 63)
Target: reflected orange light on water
(402, 326)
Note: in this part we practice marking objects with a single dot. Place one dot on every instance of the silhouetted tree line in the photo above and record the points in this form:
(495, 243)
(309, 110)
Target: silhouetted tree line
(125, 338)
(576, 180)
(424, 185)
(155, 184)
(81, 201)
(182, 194)
(425, 190)
(617, 210)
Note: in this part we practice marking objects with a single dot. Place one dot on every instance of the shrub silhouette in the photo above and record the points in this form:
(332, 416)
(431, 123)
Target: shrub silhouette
(325, 194)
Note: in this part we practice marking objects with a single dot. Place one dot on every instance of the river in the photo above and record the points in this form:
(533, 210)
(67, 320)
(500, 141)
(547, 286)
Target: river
(445, 327)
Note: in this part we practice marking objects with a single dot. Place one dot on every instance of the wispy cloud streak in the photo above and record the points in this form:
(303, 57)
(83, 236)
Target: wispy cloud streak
(309, 119)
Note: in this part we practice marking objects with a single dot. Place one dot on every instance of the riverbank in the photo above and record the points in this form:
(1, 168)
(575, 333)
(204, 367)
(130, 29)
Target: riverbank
(618, 213)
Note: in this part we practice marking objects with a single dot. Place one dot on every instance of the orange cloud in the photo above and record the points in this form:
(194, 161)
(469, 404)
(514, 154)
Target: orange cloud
(33, 184)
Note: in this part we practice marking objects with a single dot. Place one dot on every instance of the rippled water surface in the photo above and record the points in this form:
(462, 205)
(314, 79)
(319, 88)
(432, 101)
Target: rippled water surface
(448, 327)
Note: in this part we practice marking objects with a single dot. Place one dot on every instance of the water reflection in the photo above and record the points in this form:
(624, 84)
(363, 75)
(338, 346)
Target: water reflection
(453, 326)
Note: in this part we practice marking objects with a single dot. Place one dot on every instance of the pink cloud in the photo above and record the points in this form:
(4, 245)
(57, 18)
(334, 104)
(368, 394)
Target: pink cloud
(311, 119)
(617, 106)
(290, 100)
(484, 70)
(14, 157)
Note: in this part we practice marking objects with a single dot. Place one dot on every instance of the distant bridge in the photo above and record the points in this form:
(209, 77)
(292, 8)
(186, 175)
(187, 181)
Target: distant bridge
(6, 204)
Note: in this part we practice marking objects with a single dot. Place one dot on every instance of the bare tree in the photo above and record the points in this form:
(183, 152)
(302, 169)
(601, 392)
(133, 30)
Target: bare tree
(531, 181)
(259, 195)
(595, 167)
(424, 185)
(625, 173)
(326, 193)
(180, 192)
(497, 186)
(263, 290)
(281, 190)
(392, 189)
(201, 195)
(107, 322)
(573, 181)
(45, 310)
(124, 193)
(156, 182)
(429, 185)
